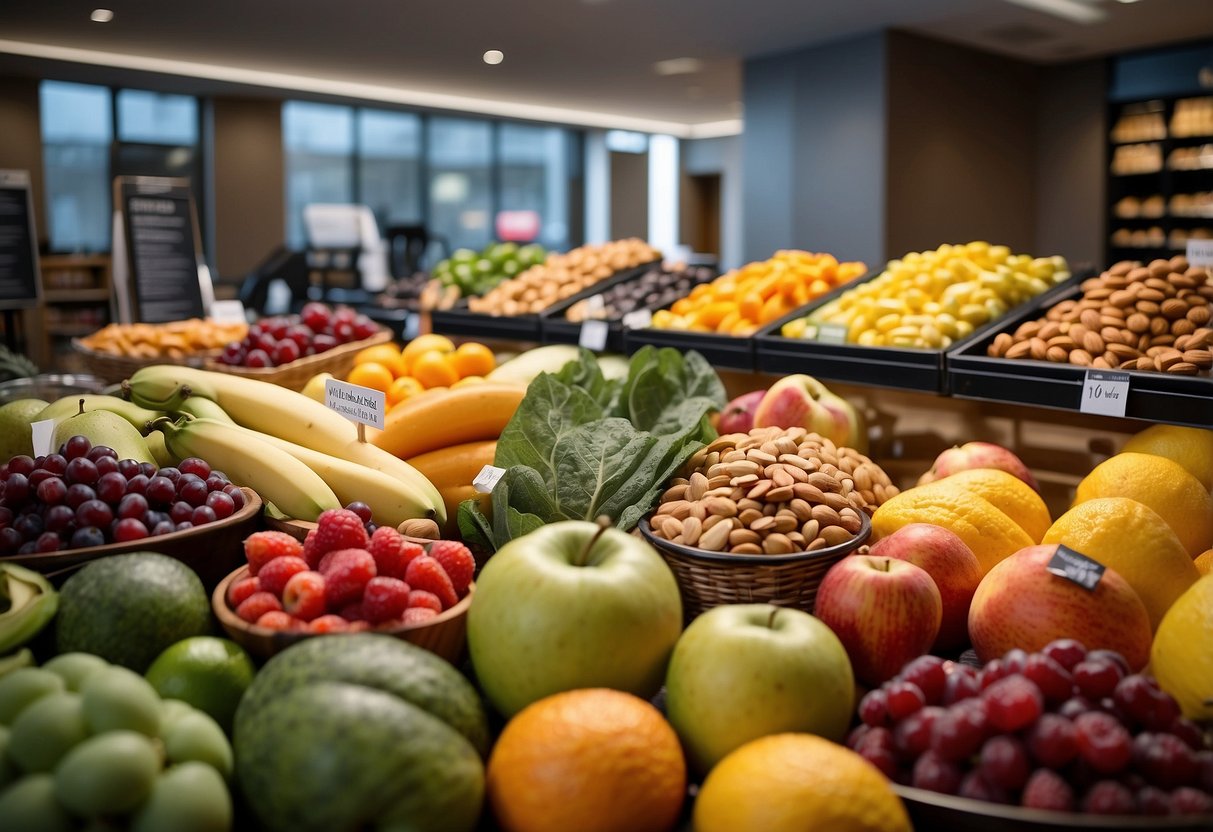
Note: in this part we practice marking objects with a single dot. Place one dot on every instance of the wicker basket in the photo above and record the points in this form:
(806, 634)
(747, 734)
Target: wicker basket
(708, 579)
(338, 361)
(114, 368)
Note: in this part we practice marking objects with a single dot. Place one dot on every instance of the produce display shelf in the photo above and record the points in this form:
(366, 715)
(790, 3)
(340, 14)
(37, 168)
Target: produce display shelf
(1155, 397)
(904, 369)
(729, 351)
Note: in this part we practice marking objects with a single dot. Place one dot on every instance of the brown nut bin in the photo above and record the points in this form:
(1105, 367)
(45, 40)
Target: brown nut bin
(561, 276)
(771, 491)
(1151, 318)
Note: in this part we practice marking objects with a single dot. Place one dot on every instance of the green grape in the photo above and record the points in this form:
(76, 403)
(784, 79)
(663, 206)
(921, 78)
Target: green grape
(21, 687)
(197, 737)
(108, 774)
(190, 797)
(75, 668)
(117, 699)
(46, 731)
(29, 805)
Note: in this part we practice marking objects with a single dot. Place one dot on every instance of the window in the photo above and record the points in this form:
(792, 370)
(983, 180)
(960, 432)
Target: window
(460, 182)
(534, 184)
(389, 165)
(319, 140)
(77, 123)
(157, 118)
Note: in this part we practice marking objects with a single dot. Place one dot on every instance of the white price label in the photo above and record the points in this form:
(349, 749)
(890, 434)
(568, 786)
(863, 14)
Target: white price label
(359, 404)
(1104, 392)
(594, 335)
(228, 312)
(487, 479)
(640, 319)
(595, 306)
(43, 434)
(832, 333)
(412, 326)
(1200, 252)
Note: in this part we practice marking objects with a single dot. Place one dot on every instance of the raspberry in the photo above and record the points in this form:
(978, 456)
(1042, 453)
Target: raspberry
(409, 552)
(1047, 790)
(428, 574)
(279, 620)
(417, 615)
(340, 528)
(385, 548)
(257, 605)
(1013, 703)
(262, 547)
(458, 562)
(385, 599)
(329, 624)
(357, 626)
(1107, 797)
(346, 573)
(241, 589)
(303, 595)
(1103, 742)
(274, 575)
(310, 551)
(353, 612)
(425, 600)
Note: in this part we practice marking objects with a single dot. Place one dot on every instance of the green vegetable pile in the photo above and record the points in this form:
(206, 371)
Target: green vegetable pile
(475, 273)
(581, 445)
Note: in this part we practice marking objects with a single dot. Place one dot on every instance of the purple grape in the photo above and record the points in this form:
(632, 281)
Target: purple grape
(361, 509)
(132, 507)
(39, 476)
(81, 470)
(10, 540)
(203, 515)
(160, 490)
(16, 488)
(193, 492)
(194, 465)
(79, 493)
(172, 473)
(129, 528)
(184, 526)
(52, 491)
(56, 464)
(216, 481)
(87, 536)
(129, 468)
(29, 547)
(236, 494)
(94, 513)
(99, 451)
(77, 447)
(180, 510)
(221, 504)
(47, 542)
(21, 464)
(58, 518)
(30, 526)
(6, 516)
(106, 465)
(163, 527)
(137, 484)
(148, 469)
(111, 487)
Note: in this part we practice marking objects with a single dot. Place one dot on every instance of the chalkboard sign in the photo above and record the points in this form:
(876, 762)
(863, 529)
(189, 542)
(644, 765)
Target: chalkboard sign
(165, 280)
(19, 284)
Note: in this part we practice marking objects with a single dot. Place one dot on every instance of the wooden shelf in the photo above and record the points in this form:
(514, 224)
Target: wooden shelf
(71, 330)
(75, 295)
(91, 273)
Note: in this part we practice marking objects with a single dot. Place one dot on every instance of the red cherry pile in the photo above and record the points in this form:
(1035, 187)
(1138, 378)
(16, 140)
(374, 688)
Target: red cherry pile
(341, 579)
(1064, 729)
(85, 496)
(272, 342)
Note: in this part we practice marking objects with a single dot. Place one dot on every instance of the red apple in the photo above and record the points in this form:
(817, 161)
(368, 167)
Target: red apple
(950, 563)
(803, 401)
(738, 415)
(1020, 603)
(884, 611)
(977, 455)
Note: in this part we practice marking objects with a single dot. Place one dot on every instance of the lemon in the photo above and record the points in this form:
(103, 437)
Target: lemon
(1204, 562)
(1163, 485)
(1190, 447)
(426, 343)
(793, 782)
(1133, 539)
(1007, 493)
(1180, 658)
(378, 354)
(209, 673)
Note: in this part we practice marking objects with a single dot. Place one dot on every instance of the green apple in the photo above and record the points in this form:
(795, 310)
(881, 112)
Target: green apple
(572, 605)
(743, 671)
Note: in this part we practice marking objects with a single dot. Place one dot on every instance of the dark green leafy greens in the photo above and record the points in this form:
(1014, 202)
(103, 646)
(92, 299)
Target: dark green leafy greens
(581, 446)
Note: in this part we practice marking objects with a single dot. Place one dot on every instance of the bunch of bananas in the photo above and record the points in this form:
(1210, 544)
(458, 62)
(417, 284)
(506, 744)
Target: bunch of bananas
(292, 450)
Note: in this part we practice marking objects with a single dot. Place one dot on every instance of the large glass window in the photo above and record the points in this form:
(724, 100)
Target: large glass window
(389, 165)
(77, 128)
(460, 182)
(319, 140)
(157, 118)
(534, 184)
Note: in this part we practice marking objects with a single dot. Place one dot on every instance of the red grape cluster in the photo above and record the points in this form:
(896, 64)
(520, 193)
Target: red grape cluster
(1065, 729)
(85, 496)
(272, 342)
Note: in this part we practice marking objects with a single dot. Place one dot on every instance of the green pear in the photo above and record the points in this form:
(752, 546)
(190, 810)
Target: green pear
(15, 434)
(104, 427)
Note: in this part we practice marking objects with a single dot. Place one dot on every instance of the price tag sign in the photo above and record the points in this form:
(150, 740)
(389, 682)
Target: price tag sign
(43, 434)
(832, 333)
(595, 306)
(1104, 392)
(412, 326)
(640, 319)
(594, 335)
(1076, 567)
(228, 312)
(487, 479)
(359, 404)
(1200, 252)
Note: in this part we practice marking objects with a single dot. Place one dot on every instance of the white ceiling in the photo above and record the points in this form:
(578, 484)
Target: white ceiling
(592, 57)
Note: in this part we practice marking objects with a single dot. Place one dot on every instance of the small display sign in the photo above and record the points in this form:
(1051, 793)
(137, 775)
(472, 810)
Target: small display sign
(359, 404)
(487, 479)
(1200, 252)
(1076, 567)
(228, 312)
(19, 285)
(640, 319)
(594, 335)
(832, 333)
(42, 434)
(1105, 392)
(412, 326)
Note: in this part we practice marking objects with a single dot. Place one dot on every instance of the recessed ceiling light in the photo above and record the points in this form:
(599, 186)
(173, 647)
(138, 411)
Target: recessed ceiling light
(1127, 1)
(678, 66)
(493, 57)
(101, 16)
(1071, 10)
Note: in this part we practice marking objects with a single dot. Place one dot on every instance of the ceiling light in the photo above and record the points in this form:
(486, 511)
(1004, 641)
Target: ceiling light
(101, 16)
(493, 57)
(678, 66)
(1126, 1)
(1071, 10)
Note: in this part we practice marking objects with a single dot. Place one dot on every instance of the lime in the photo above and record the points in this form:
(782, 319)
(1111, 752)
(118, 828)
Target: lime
(209, 673)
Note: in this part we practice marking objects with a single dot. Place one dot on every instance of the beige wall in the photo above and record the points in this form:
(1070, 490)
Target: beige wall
(249, 189)
(629, 195)
(21, 137)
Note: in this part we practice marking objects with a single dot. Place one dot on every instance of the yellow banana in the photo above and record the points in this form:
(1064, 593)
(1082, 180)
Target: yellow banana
(455, 464)
(462, 414)
(456, 494)
(248, 460)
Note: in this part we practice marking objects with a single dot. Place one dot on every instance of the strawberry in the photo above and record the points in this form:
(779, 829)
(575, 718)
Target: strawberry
(384, 599)
(458, 562)
(303, 595)
(241, 589)
(428, 574)
(421, 598)
(346, 573)
(417, 615)
(385, 548)
(353, 612)
(262, 547)
(340, 528)
(257, 605)
(274, 575)
(279, 620)
(329, 624)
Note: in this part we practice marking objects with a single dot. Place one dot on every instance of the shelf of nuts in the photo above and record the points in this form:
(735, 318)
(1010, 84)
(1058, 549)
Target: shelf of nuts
(1147, 318)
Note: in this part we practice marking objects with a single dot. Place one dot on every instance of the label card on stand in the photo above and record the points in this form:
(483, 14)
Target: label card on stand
(228, 312)
(1076, 567)
(358, 404)
(640, 319)
(487, 479)
(1105, 392)
(412, 326)
(832, 334)
(595, 306)
(1200, 252)
(594, 335)
(43, 433)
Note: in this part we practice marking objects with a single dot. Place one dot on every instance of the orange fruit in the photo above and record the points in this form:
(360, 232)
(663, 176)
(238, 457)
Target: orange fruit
(427, 343)
(402, 388)
(401, 366)
(793, 782)
(1163, 485)
(384, 354)
(472, 359)
(594, 760)
(433, 369)
(371, 374)
(1204, 562)
(1190, 447)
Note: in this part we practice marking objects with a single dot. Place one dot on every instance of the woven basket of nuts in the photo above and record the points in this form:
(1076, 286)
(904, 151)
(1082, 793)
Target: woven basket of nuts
(761, 517)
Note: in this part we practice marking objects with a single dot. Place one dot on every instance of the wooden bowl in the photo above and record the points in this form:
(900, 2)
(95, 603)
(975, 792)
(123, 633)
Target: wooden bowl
(445, 635)
(211, 550)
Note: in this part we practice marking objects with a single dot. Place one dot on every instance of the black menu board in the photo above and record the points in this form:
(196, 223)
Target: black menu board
(162, 246)
(19, 285)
